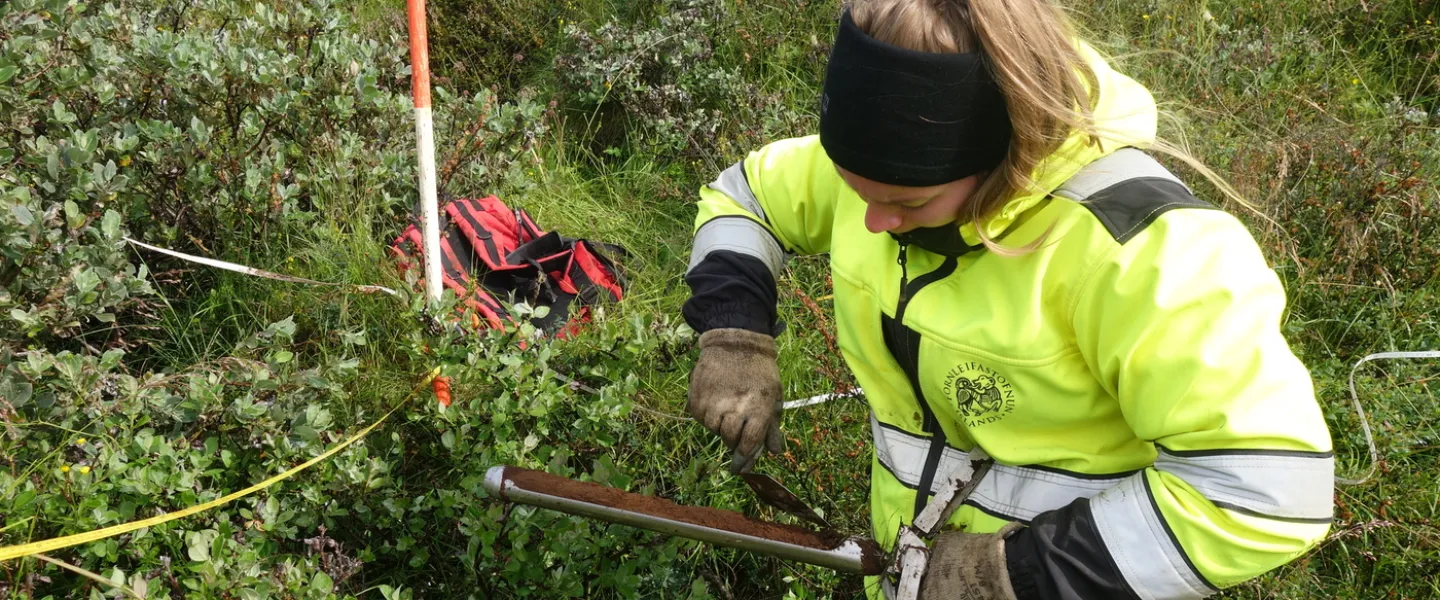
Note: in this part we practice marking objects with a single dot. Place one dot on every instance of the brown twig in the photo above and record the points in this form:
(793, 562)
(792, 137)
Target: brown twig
(720, 587)
(459, 154)
(837, 374)
(43, 70)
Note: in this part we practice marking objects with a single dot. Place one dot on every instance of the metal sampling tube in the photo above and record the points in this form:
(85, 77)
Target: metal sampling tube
(852, 554)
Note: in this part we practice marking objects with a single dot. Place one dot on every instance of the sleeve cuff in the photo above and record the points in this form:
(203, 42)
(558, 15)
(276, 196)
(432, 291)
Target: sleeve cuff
(1061, 556)
(729, 289)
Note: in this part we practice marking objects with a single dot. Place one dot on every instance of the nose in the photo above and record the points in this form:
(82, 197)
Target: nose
(879, 218)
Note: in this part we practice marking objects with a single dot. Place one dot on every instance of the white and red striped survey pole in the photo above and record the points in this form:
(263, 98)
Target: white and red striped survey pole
(425, 146)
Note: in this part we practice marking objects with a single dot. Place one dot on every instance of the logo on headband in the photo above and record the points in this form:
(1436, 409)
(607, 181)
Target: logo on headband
(824, 104)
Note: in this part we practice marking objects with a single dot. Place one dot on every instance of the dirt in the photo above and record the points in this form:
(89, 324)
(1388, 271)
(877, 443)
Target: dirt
(539, 481)
(872, 560)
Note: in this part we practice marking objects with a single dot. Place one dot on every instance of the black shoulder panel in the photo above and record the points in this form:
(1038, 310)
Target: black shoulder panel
(1126, 208)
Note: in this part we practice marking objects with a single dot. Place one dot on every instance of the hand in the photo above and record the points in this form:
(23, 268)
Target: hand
(735, 392)
(968, 566)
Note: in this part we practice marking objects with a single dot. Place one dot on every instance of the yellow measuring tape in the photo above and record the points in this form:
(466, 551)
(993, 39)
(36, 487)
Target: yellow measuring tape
(11, 552)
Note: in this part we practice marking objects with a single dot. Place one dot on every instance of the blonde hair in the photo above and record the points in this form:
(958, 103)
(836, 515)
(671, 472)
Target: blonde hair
(1029, 48)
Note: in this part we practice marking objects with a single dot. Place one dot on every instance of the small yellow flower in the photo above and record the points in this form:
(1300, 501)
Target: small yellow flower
(1146, 17)
(125, 161)
(81, 442)
(64, 468)
(1355, 81)
(84, 470)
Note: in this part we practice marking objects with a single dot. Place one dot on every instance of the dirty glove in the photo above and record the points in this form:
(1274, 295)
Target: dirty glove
(968, 566)
(735, 392)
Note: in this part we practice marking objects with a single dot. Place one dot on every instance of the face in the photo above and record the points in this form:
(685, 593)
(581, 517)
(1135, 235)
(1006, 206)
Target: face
(898, 208)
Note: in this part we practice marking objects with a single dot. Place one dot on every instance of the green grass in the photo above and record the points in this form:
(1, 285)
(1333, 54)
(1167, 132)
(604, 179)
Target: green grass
(1295, 102)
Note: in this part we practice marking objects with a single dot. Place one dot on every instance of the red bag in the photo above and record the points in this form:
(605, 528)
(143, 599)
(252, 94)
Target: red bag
(490, 252)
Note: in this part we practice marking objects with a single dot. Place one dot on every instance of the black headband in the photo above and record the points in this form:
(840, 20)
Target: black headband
(911, 118)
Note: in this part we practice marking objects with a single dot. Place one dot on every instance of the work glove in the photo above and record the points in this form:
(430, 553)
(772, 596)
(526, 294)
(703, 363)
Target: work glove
(735, 392)
(968, 566)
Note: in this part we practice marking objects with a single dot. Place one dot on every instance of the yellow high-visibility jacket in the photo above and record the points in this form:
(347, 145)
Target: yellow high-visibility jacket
(1149, 422)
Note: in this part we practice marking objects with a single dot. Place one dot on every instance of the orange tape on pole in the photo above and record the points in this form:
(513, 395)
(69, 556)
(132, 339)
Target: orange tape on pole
(419, 53)
(425, 147)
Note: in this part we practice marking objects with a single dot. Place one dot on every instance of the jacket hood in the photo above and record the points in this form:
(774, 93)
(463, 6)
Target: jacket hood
(1125, 115)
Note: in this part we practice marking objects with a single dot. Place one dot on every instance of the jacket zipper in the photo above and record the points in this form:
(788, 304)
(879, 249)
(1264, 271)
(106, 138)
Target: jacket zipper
(901, 335)
(904, 282)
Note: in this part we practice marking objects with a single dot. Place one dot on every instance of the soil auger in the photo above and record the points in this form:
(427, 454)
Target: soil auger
(903, 568)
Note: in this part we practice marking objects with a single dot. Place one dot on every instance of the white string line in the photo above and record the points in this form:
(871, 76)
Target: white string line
(791, 405)
(238, 268)
(1365, 421)
(813, 400)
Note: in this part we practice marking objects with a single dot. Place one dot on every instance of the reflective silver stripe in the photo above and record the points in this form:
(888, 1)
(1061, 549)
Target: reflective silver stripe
(732, 183)
(1025, 493)
(1019, 493)
(1134, 533)
(1281, 485)
(736, 233)
(739, 234)
(1118, 166)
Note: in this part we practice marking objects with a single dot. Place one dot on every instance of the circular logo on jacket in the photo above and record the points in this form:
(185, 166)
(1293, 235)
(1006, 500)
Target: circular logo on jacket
(981, 395)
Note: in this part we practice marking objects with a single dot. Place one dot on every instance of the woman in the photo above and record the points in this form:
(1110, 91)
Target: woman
(1012, 274)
